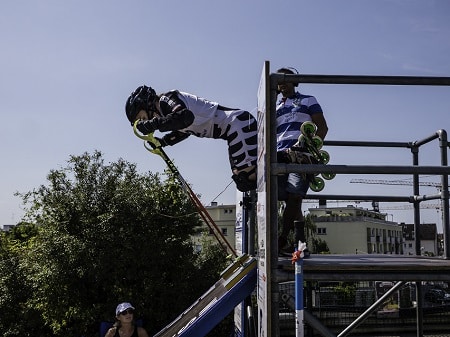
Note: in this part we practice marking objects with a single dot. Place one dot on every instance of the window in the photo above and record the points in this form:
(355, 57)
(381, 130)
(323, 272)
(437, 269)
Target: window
(225, 231)
(321, 231)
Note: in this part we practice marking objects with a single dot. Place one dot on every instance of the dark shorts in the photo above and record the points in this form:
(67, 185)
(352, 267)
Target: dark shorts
(291, 183)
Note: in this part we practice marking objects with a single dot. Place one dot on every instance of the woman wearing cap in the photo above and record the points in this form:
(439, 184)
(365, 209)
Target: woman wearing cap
(124, 326)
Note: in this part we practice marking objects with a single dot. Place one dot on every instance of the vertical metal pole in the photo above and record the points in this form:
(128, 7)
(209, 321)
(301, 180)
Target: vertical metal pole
(419, 311)
(245, 222)
(273, 212)
(443, 143)
(244, 327)
(252, 223)
(299, 310)
(415, 152)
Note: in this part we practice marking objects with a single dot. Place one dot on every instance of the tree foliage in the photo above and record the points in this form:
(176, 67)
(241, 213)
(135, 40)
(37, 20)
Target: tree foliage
(316, 244)
(94, 236)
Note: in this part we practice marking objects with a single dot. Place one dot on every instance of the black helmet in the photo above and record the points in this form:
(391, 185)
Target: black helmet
(142, 98)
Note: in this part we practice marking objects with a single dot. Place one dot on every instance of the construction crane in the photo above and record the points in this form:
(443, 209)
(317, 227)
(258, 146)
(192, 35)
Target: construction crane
(396, 182)
(405, 183)
(409, 206)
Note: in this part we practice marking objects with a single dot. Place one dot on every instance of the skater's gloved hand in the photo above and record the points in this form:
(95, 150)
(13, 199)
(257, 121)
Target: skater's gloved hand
(154, 145)
(161, 141)
(149, 126)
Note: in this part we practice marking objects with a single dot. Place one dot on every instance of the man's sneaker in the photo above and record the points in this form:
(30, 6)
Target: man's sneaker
(286, 251)
(284, 248)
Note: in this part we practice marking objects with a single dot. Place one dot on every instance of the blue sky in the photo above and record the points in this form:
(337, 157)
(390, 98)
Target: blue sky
(67, 67)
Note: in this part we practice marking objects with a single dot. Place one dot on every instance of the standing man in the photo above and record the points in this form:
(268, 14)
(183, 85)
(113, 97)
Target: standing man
(294, 108)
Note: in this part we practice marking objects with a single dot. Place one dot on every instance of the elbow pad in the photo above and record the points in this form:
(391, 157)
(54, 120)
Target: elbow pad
(176, 120)
(174, 138)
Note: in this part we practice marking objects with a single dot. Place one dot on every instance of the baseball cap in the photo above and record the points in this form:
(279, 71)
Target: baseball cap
(122, 307)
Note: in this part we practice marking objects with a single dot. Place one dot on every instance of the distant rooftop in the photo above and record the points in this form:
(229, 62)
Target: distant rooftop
(7, 227)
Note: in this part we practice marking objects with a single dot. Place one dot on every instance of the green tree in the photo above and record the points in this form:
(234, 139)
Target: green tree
(318, 246)
(16, 319)
(106, 234)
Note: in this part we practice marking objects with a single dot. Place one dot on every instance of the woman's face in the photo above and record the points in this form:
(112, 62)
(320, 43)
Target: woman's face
(126, 316)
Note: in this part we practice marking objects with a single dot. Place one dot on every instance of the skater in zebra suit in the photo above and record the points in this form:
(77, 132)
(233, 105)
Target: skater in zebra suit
(182, 114)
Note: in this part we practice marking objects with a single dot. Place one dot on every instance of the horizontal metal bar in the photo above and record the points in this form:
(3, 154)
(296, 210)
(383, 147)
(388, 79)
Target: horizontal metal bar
(361, 276)
(391, 198)
(367, 143)
(359, 79)
(279, 168)
(428, 197)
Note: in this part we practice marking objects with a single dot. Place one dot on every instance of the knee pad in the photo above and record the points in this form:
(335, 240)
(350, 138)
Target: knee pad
(244, 184)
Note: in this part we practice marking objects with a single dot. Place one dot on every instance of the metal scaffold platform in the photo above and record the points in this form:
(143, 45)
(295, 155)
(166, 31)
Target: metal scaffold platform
(344, 268)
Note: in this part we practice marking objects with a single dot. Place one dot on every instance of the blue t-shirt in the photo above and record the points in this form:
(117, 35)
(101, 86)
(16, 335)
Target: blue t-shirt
(291, 113)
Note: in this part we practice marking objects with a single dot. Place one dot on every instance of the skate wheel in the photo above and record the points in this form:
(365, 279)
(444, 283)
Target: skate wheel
(324, 157)
(317, 185)
(301, 139)
(328, 176)
(308, 128)
(317, 142)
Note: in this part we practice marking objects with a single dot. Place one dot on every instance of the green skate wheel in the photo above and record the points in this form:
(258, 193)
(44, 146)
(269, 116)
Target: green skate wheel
(324, 157)
(328, 176)
(317, 142)
(317, 185)
(302, 139)
(308, 128)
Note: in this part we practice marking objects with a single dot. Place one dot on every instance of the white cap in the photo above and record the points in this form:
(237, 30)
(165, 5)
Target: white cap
(122, 307)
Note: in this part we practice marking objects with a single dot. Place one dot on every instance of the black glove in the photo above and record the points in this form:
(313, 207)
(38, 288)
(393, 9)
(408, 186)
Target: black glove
(161, 141)
(146, 127)
(153, 145)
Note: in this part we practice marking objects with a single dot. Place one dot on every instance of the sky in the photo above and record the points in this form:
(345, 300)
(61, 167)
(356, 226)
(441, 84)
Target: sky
(67, 68)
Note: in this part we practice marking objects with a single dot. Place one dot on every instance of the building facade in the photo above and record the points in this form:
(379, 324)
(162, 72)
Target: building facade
(224, 216)
(355, 230)
(6, 227)
(346, 230)
(429, 242)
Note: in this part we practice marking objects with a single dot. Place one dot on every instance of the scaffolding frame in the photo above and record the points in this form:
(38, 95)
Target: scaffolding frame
(268, 169)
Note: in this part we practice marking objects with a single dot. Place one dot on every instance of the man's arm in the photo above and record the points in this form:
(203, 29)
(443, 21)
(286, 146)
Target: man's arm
(322, 127)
